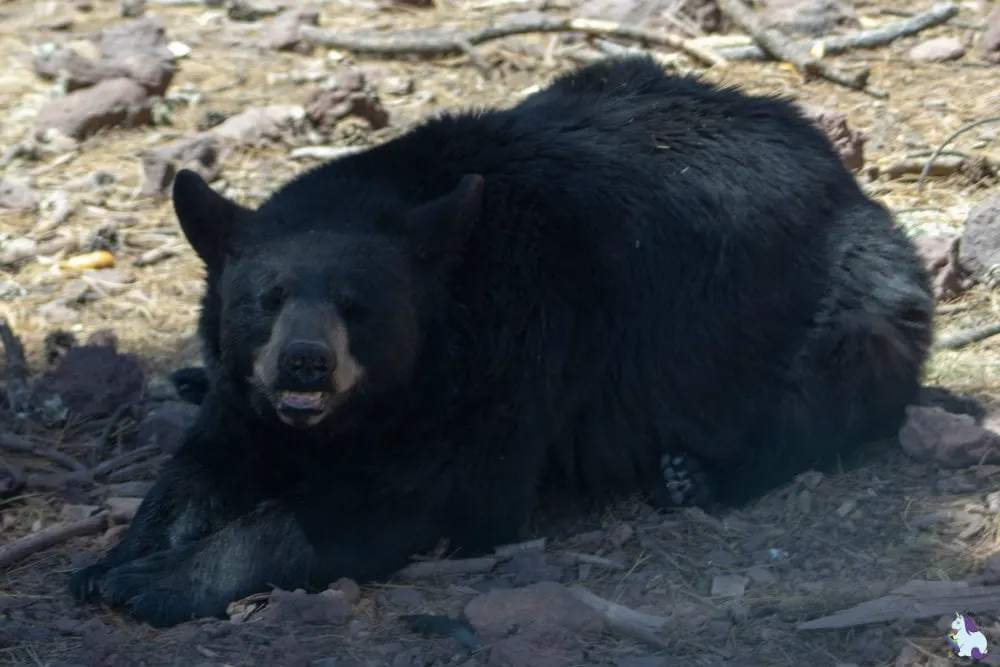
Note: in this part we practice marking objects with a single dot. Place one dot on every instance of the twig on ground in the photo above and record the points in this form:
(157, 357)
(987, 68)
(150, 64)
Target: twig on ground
(442, 42)
(968, 337)
(156, 255)
(50, 537)
(777, 45)
(15, 479)
(914, 600)
(863, 39)
(627, 622)
(952, 308)
(506, 551)
(128, 458)
(590, 559)
(130, 472)
(22, 445)
(56, 482)
(944, 144)
(909, 166)
(104, 444)
(964, 25)
(18, 394)
(437, 568)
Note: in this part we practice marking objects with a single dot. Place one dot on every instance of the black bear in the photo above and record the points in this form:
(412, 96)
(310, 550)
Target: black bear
(628, 283)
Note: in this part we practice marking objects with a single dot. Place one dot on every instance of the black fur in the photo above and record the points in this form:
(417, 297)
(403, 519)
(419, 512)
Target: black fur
(658, 278)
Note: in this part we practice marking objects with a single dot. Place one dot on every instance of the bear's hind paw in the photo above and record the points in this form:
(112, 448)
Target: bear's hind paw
(685, 482)
(84, 584)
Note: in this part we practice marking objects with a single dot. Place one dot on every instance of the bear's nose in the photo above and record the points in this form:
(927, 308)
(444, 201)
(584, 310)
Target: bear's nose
(306, 361)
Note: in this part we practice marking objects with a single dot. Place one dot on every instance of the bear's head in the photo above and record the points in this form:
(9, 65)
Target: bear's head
(308, 307)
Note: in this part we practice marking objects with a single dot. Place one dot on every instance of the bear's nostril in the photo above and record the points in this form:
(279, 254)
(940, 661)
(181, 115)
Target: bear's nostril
(306, 361)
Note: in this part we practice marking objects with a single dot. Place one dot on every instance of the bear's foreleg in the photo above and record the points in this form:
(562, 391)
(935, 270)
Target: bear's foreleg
(186, 503)
(199, 579)
(359, 524)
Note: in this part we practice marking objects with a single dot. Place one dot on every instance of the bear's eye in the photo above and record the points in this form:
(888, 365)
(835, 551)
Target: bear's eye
(272, 299)
(350, 308)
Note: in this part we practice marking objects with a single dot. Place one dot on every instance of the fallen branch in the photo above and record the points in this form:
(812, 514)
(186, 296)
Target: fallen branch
(126, 459)
(863, 39)
(57, 482)
(104, 443)
(21, 445)
(133, 470)
(438, 568)
(15, 479)
(912, 167)
(506, 551)
(442, 42)
(951, 137)
(18, 394)
(968, 337)
(964, 25)
(589, 559)
(50, 537)
(914, 600)
(627, 622)
(777, 45)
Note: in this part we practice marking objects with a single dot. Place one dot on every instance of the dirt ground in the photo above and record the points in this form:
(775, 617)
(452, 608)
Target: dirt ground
(822, 544)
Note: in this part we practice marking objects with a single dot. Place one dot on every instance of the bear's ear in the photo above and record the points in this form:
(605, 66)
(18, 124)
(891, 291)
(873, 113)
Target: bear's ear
(438, 229)
(207, 219)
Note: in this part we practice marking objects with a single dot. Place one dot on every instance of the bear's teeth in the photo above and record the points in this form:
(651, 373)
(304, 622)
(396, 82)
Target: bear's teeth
(304, 400)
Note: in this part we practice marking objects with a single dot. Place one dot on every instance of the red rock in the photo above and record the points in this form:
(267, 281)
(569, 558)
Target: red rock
(941, 258)
(989, 43)
(814, 18)
(848, 141)
(950, 440)
(938, 49)
(542, 645)
(980, 246)
(111, 103)
(496, 613)
(92, 381)
(199, 153)
(345, 95)
(282, 33)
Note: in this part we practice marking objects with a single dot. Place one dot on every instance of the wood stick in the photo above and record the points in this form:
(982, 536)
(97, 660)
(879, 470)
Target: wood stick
(506, 551)
(915, 600)
(22, 445)
(437, 568)
(912, 167)
(133, 470)
(968, 337)
(862, 39)
(442, 42)
(627, 622)
(18, 394)
(51, 536)
(128, 458)
(104, 444)
(589, 559)
(16, 479)
(950, 138)
(777, 45)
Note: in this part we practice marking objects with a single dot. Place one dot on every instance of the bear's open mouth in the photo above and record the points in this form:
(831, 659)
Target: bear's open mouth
(307, 401)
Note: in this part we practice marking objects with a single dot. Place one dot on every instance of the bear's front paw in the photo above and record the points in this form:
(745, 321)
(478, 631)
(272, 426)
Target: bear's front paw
(84, 584)
(155, 589)
(685, 482)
